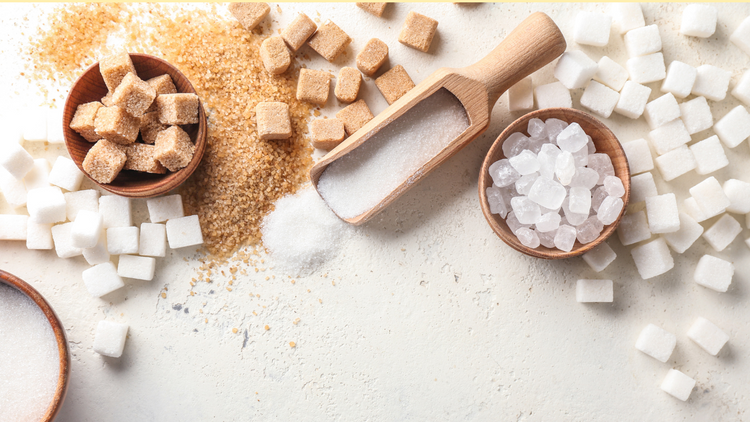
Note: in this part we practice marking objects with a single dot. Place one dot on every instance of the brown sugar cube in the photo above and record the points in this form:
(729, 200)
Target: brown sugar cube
(418, 31)
(375, 9)
(162, 85)
(107, 99)
(329, 41)
(141, 158)
(83, 120)
(347, 86)
(104, 161)
(394, 83)
(114, 68)
(327, 133)
(275, 55)
(313, 86)
(298, 31)
(174, 148)
(116, 125)
(273, 121)
(151, 126)
(178, 109)
(249, 14)
(372, 56)
(355, 116)
(134, 95)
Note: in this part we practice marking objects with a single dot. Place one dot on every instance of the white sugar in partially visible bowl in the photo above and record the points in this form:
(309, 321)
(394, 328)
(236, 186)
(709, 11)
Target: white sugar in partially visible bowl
(29, 358)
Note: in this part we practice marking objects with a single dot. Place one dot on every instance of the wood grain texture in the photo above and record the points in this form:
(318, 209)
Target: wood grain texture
(62, 341)
(90, 87)
(534, 43)
(605, 141)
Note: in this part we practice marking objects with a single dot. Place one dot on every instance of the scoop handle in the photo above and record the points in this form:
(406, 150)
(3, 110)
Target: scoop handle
(535, 42)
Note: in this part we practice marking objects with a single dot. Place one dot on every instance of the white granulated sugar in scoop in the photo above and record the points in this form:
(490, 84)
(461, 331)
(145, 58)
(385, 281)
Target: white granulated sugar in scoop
(302, 233)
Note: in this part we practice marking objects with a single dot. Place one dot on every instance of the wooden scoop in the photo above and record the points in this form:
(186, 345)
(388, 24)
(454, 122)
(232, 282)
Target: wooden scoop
(534, 43)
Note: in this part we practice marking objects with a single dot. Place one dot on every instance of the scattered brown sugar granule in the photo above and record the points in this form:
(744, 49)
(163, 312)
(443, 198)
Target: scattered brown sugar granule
(249, 14)
(329, 41)
(134, 95)
(83, 120)
(292, 344)
(313, 86)
(114, 68)
(116, 125)
(273, 120)
(104, 161)
(375, 9)
(299, 31)
(372, 56)
(178, 109)
(174, 148)
(394, 83)
(151, 126)
(347, 85)
(141, 158)
(162, 85)
(327, 134)
(418, 31)
(355, 116)
(275, 55)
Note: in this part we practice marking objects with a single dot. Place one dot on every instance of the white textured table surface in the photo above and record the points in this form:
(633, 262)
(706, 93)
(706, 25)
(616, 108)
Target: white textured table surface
(431, 316)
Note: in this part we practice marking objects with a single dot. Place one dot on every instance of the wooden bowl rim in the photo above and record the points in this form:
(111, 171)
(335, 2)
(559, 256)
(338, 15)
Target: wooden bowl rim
(508, 237)
(63, 378)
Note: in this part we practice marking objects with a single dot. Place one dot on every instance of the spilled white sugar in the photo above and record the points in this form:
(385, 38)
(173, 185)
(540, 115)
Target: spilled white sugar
(363, 178)
(29, 359)
(302, 233)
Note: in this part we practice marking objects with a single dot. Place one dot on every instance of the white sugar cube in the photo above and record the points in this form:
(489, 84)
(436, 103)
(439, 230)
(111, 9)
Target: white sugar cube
(652, 259)
(663, 216)
(13, 189)
(526, 210)
(661, 111)
(741, 36)
(707, 335)
(711, 82)
(698, 20)
(116, 211)
(734, 127)
(599, 99)
(592, 29)
(163, 208)
(528, 237)
(552, 95)
(66, 174)
(633, 228)
(183, 232)
(55, 126)
(547, 193)
(110, 338)
(710, 197)
(646, 69)
(565, 238)
(574, 69)
(696, 114)
(678, 384)
(609, 210)
(524, 163)
(610, 73)
(738, 193)
(102, 279)
(87, 229)
(589, 291)
(627, 16)
(639, 156)
(34, 124)
(741, 91)
(690, 206)
(15, 160)
(656, 342)
(80, 200)
(643, 41)
(684, 238)
(680, 79)
(521, 96)
(714, 273)
(633, 99)
(153, 240)
(13, 227)
(38, 176)
(502, 173)
(723, 232)
(138, 267)
(61, 235)
(99, 253)
(46, 205)
(641, 187)
(675, 163)
(498, 201)
(39, 236)
(600, 257)
(122, 240)
(669, 136)
(572, 138)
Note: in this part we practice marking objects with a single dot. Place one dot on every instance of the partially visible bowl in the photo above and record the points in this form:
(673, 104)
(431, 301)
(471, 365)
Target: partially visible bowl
(605, 141)
(90, 87)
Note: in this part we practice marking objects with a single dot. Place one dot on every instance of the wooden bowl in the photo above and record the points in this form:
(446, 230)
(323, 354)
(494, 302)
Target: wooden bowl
(605, 142)
(90, 87)
(62, 342)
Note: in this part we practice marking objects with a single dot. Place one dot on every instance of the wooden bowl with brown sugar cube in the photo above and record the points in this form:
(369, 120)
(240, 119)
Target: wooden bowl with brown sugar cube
(184, 137)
